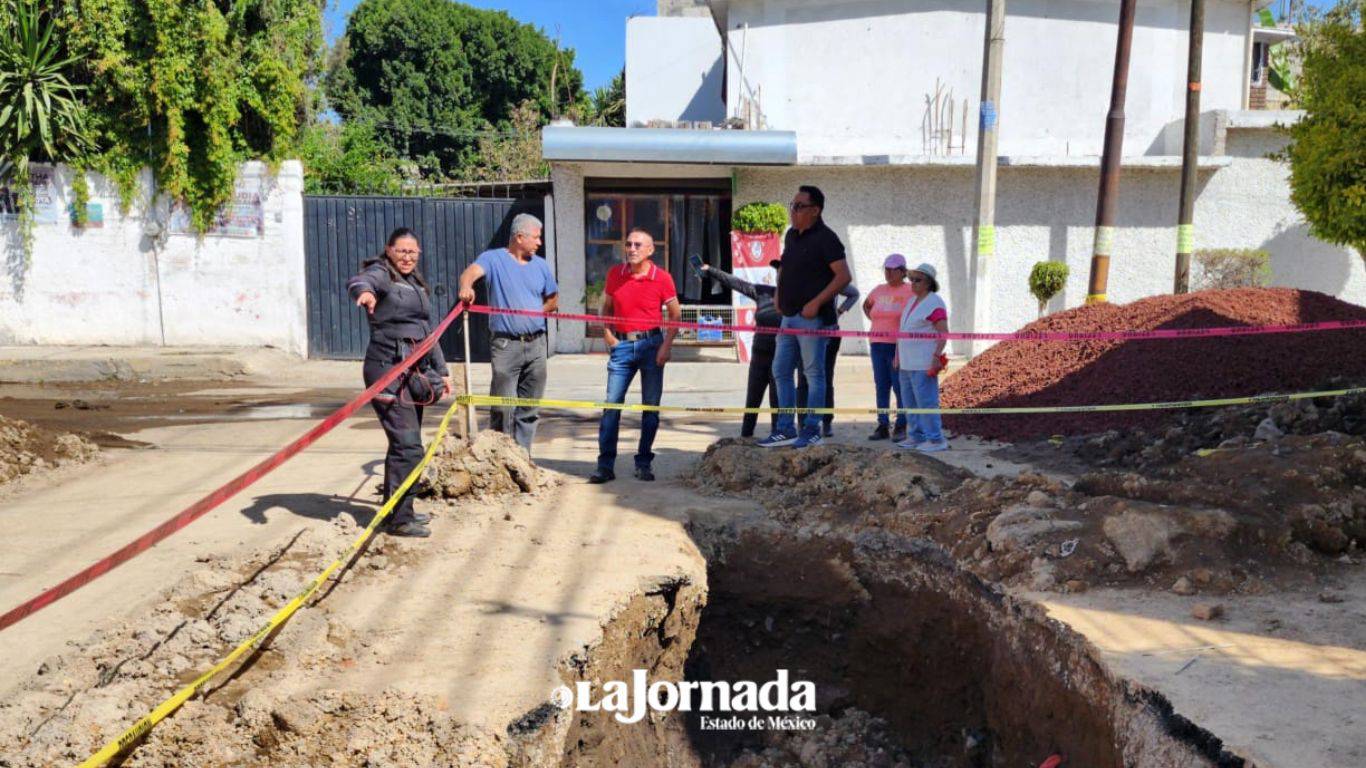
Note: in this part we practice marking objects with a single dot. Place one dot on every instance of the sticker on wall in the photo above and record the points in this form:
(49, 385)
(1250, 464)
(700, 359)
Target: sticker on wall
(604, 212)
(46, 209)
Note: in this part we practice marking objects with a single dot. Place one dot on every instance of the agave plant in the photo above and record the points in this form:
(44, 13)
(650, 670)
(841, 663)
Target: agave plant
(41, 115)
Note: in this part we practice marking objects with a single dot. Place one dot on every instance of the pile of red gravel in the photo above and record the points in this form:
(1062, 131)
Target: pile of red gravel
(1034, 373)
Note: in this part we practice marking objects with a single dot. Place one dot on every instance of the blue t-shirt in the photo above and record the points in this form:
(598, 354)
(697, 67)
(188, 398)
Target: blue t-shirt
(514, 285)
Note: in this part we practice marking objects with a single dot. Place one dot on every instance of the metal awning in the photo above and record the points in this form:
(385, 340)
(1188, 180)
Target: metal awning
(668, 145)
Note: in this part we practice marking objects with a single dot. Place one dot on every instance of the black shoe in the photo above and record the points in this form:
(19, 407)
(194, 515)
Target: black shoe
(411, 529)
(645, 474)
(602, 476)
(880, 433)
(828, 431)
(898, 434)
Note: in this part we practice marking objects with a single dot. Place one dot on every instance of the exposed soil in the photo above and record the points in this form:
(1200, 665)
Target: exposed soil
(493, 465)
(1238, 520)
(26, 449)
(1030, 373)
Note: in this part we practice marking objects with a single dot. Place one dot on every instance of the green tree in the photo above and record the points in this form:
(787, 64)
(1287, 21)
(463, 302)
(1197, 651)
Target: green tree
(607, 104)
(434, 76)
(1327, 150)
(347, 159)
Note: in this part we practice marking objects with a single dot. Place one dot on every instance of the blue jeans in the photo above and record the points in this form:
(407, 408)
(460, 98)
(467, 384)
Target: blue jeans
(808, 352)
(625, 359)
(886, 380)
(919, 390)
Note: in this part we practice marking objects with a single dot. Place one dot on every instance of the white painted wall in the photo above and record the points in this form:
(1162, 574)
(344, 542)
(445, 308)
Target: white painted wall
(114, 285)
(1048, 214)
(852, 77)
(673, 69)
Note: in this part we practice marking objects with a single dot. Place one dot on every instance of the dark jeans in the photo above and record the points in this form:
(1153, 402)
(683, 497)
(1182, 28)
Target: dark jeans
(518, 371)
(760, 379)
(832, 351)
(625, 359)
(886, 381)
(402, 423)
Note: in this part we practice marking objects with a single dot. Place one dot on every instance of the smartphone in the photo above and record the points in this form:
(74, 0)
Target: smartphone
(696, 262)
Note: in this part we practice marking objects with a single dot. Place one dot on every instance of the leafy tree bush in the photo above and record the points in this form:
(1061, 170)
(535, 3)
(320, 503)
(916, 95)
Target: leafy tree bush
(433, 76)
(347, 159)
(1222, 268)
(1046, 280)
(1327, 151)
(759, 217)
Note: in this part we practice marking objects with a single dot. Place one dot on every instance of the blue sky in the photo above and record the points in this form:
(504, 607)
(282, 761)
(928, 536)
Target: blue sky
(595, 29)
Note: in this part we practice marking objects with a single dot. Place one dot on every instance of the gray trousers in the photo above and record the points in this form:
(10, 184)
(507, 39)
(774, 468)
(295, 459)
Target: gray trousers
(518, 371)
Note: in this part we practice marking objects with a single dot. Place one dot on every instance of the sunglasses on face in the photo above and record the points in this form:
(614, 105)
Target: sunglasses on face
(801, 206)
(630, 245)
(916, 279)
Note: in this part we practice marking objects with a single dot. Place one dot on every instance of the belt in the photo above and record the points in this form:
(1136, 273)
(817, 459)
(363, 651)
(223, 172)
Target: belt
(642, 335)
(518, 336)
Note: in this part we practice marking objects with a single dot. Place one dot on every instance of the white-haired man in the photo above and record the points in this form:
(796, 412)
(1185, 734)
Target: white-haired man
(516, 279)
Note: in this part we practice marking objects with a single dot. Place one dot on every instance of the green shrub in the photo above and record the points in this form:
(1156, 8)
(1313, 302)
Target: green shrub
(759, 217)
(1046, 279)
(1221, 268)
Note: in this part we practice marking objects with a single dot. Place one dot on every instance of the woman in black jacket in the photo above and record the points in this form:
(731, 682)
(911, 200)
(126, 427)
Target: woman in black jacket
(401, 315)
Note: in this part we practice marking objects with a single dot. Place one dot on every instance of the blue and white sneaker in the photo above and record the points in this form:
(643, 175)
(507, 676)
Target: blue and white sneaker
(933, 446)
(776, 440)
(910, 443)
(808, 439)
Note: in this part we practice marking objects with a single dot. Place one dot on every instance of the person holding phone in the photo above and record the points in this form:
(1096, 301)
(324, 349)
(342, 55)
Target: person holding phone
(766, 315)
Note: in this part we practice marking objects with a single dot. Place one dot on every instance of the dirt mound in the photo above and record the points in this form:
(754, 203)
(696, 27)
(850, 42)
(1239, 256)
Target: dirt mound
(847, 479)
(493, 465)
(1039, 373)
(1241, 519)
(853, 738)
(25, 448)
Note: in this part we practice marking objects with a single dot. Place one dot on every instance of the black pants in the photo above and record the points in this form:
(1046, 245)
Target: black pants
(402, 424)
(832, 351)
(760, 379)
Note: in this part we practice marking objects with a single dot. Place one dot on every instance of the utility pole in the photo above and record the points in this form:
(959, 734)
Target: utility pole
(1109, 161)
(1190, 151)
(993, 48)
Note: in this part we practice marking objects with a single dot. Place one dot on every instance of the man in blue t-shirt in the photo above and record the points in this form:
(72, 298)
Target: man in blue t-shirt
(517, 279)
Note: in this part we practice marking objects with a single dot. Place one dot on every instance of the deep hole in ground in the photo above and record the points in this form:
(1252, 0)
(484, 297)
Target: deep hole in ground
(916, 662)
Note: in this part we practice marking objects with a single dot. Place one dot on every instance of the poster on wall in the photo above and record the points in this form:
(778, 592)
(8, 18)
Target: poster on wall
(750, 256)
(244, 216)
(46, 208)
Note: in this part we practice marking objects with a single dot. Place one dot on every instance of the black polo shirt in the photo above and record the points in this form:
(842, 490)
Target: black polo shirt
(806, 271)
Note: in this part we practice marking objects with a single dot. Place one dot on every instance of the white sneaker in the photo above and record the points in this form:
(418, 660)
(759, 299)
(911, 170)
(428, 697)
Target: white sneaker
(910, 444)
(933, 446)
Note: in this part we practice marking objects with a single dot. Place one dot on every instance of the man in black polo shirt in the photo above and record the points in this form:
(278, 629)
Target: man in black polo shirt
(814, 271)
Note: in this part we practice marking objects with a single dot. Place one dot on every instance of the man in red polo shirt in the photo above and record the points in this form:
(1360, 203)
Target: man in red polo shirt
(634, 292)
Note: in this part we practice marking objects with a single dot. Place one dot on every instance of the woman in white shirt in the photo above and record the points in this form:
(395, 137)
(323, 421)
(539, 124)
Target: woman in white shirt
(921, 360)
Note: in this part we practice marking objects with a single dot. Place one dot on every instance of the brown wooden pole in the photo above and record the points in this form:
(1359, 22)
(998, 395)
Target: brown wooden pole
(1190, 152)
(1109, 162)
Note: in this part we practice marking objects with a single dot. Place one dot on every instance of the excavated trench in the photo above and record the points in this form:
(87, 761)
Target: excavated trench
(915, 662)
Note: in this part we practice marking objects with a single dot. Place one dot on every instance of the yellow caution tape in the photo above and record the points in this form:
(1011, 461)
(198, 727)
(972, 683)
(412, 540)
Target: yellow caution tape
(167, 707)
(509, 402)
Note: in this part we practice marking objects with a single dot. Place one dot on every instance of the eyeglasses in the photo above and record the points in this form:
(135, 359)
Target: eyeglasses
(405, 252)
(796, 206)
(632, 245)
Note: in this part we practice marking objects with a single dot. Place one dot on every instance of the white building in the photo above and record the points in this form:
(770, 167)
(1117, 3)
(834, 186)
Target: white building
(876, 102)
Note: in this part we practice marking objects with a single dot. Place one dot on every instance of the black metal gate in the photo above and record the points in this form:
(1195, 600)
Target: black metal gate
(342, 231)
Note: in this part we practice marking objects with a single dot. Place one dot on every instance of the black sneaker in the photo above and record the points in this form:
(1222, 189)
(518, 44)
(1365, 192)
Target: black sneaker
(602, 476)
(880, 433)
(411, 529)
(828, 431)
(645, 474)
(899, 434)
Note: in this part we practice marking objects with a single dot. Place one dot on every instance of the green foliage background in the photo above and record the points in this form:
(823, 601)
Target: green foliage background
(759, 217)
(435, 76)
(1327, 152)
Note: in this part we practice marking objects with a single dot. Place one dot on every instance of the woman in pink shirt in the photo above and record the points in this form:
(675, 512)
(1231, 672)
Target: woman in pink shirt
(883, 308)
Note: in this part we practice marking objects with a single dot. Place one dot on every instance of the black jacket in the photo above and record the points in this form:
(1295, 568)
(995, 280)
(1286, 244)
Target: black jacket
(403, 312)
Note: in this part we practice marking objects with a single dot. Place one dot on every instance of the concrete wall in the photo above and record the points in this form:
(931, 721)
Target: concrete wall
(116, 285)
(853, 77)
(1048, 214)
(673, 69)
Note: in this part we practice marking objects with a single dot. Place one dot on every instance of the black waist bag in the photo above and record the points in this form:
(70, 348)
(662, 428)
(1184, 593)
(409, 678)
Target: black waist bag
(422, 383)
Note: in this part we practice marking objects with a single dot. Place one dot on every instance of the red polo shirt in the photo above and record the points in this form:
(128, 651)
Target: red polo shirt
(638, 298)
